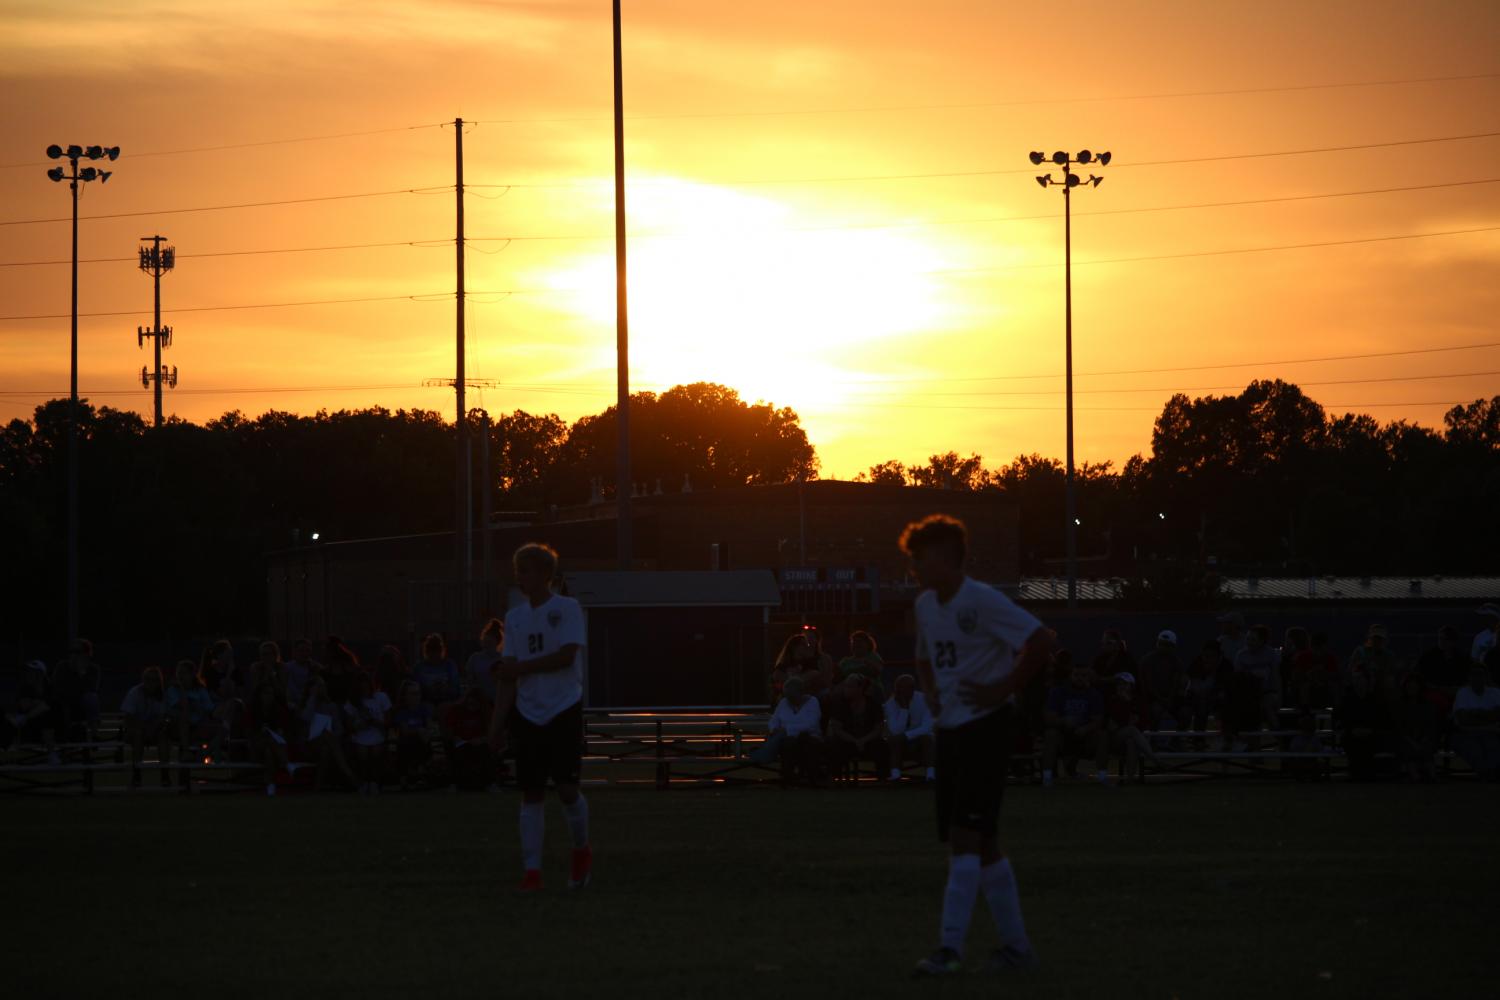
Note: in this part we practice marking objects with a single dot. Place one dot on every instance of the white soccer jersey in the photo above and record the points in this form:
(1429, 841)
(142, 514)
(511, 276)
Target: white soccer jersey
(535, 632)
(975, 638)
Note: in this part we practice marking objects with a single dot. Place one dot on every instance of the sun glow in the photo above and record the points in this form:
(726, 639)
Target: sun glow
(747, 291)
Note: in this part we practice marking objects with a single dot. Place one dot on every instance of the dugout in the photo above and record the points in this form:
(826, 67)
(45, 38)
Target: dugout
(670, 639)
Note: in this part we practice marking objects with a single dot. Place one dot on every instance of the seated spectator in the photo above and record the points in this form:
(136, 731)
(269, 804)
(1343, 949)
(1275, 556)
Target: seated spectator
(471, 759)
(145, 711)
(1476, 719)
(1364, 719)
(229, 715)
(1488, 637)
(1307, 740)
(864, 659)
(909, 725)
(1075, 725)
(1419, 726)
(340, 666)
(795, 734)
(856, 728)
(268, 668)
(479, 669)
(1294, 641)
(435, 674)
(1446, 667)
(323, 733)
(1376, 659)
(367, 713)
(1126, 711)
(1315, 675)
(299, 671)
(391, 671)
(802, 656)
(1254, 696)
(1165, 684)
(270, 729)
(29, 718)
(217, 663)
(75, 693)
(1113, 658)
(190, 718)
(1207, 678)
(415, 728)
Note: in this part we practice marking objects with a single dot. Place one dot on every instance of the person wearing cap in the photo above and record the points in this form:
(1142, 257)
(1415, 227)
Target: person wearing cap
(1163, 682)
(1476, 718)
(1125, 713)
(1486, 641)
(1376, 659)
(30, 718)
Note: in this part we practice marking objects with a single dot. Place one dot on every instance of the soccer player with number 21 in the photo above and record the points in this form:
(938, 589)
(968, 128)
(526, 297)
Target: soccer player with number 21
(543, 709)
(976, 650)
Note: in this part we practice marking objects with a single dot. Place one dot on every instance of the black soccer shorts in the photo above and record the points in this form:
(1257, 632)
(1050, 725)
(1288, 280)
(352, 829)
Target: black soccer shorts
(552, 751)
(972, 761)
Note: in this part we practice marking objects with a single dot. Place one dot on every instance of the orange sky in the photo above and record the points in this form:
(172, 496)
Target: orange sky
(892, 313)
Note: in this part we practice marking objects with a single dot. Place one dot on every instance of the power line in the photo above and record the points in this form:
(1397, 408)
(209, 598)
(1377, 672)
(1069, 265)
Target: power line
(1214, 388)
(994, 104)
(249, 145)
(220, 208)
(1218, 253)
(420, 297)
(852, 178)
(231, 253)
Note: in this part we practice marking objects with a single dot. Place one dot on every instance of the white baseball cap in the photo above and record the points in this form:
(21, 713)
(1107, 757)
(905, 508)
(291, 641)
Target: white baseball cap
(1167, 635)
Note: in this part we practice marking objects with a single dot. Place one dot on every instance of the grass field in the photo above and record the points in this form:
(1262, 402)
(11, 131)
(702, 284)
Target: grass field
(1205, 890)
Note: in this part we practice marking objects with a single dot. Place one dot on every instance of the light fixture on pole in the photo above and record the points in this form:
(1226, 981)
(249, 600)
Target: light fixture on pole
(74, 176)
(1068, 182)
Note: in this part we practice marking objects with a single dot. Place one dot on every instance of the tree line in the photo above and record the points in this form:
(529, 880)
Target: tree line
(175, 521)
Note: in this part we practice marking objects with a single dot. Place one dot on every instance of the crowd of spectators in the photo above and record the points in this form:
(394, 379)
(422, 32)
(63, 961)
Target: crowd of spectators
(350, 725)
(370, 726)
(1239, 692)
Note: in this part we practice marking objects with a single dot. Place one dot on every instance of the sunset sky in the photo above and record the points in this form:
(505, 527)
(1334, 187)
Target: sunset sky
(830, 203)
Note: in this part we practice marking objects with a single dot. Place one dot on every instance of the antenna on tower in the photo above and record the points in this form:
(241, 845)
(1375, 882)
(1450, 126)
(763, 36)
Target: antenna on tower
(157, 260)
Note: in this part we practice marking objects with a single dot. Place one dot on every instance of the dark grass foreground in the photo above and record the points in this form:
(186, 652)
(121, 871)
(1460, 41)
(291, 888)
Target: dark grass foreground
(1211, 890)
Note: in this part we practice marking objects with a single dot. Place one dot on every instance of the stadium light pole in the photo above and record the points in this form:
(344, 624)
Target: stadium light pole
(1069, 181)
(74, 176)
(622, 323)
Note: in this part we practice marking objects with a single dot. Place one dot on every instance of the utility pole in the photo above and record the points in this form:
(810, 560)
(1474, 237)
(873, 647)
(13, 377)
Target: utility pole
(157, 260)
(463, 520)
(622, 322)
(1069, 181)
(73, 153)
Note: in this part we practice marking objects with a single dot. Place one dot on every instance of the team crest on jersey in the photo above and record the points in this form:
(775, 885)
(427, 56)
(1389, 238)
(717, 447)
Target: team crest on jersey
(968, 620)
(554, 618)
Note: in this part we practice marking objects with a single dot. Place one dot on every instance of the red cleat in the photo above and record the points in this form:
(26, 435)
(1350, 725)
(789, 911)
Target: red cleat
(583, 863)
(531, 881)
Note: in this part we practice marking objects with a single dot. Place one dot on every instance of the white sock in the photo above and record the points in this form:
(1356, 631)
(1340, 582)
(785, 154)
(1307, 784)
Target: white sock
(578, 820)
(958, 899)
(533, 825)
(999, 884)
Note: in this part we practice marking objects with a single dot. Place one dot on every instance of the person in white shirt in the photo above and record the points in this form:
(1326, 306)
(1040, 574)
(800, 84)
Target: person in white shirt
(976, 650)
(541, 702)
(910, 725)
(1476, 717)
(367, 715)
(795, 734)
